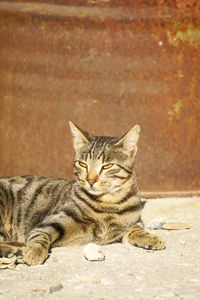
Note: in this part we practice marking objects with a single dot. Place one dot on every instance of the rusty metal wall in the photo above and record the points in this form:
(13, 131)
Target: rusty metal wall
(105, 65)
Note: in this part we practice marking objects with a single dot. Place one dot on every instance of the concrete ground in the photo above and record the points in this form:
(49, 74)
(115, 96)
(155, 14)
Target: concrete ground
(127, 272)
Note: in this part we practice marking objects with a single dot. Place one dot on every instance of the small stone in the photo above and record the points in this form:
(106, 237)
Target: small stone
(35, 289)
(176, 226)
(156, 224)
(19, 256)
(55, 288)
(92, 252)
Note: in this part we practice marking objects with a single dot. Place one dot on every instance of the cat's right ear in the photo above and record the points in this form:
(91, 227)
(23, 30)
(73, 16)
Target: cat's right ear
(79, 136)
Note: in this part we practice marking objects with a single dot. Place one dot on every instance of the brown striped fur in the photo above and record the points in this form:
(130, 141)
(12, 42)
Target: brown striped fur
(102, 205)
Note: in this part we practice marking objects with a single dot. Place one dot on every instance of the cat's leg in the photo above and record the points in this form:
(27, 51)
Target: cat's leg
(3, 235)
(7, 248)
(38, 245)
(58, 229)
(143, 239)
(41, 238)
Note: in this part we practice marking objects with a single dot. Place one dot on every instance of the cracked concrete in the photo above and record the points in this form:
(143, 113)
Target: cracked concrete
(127, 272)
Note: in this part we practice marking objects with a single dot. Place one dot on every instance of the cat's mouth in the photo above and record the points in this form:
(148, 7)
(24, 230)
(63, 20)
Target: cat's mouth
(95, 192)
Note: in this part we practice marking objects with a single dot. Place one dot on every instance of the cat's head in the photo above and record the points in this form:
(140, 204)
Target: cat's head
(103, 164)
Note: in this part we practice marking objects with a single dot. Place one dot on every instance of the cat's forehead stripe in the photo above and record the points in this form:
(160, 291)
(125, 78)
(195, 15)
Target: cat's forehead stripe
(95, 147)
(101, 153)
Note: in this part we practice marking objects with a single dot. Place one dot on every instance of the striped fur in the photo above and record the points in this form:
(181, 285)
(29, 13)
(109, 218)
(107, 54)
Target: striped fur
(102, 205)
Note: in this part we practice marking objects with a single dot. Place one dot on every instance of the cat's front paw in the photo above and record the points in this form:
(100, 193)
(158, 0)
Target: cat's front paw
(34, 254)
(150, 241)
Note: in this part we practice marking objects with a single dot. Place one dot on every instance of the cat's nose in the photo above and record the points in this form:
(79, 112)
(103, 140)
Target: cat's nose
(92, 180)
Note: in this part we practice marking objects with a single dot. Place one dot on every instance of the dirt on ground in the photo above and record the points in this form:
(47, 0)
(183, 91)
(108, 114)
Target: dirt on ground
(127, 272)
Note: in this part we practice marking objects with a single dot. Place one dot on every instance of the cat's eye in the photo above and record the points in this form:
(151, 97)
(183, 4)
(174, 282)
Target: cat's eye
(82, 164)
(108, 166)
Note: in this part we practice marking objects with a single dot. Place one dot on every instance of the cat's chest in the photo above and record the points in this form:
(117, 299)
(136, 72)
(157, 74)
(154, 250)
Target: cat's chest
(110, 228)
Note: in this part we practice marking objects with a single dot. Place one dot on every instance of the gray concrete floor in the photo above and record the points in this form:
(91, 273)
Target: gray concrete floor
(127, 272)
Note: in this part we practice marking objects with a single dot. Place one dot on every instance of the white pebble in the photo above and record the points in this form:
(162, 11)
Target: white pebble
(156, 223)
(92, 252)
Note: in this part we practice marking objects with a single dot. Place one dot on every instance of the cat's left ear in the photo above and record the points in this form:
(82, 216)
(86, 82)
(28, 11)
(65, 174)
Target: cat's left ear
(129, 141)
(80, 138)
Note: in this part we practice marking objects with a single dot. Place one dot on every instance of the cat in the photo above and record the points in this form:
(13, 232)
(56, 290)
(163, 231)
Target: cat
(101, 206)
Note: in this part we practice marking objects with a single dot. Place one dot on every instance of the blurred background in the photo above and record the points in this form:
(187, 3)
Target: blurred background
(106, 66)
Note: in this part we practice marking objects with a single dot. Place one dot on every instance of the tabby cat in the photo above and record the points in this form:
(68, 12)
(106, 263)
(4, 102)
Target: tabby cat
(102, 205)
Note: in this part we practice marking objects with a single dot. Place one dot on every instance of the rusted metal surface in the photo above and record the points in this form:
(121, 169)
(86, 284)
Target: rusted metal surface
(105, 65)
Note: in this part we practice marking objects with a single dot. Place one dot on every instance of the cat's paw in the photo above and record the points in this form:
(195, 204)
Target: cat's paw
(150, 241)
(34, 254)
(7, 250)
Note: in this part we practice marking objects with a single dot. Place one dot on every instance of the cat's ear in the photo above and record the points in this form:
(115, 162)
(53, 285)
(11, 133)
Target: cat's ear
(80, 138)
(129, 140)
